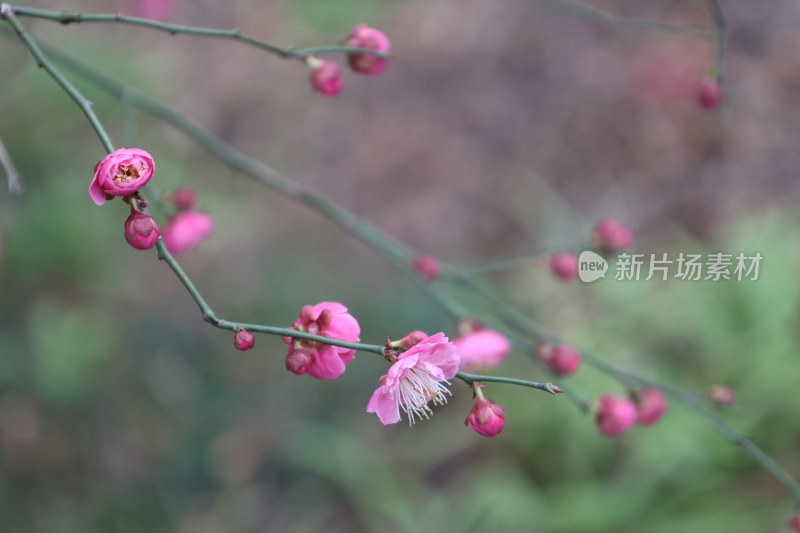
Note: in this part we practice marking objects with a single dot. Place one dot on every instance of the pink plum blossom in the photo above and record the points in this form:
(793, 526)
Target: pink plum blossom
(426, 266)
(612, 235)
(487, 417)
(187, 229)
(563, 359)
(141, 231)
(183, 199)
(722, 395)
(121, 173)
(709, 94)
(326, 76)
(564, 265)
(362, 36)
(243, 340)
(418, 376)
(651, 404)
(794, 523)
(482, 348)
(318, 360)
(615, 415)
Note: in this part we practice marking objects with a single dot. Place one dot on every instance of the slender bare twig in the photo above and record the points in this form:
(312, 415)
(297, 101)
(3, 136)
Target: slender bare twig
(12, 175)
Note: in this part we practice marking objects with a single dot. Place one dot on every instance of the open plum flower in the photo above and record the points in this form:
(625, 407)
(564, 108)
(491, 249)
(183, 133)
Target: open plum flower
(322, 361)
(418, 376)
(121, 173)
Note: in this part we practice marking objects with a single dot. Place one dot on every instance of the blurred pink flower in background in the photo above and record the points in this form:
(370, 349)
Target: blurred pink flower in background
(426, 266)
(652, 405)
(563, 359)
(615, 415)
(326, 76)
(362, 36)
(322, 361)
(482, 348)
(415, 379)
(667, 74)
(154, 9)
(564, 265)
(612, 235)
(186, 230)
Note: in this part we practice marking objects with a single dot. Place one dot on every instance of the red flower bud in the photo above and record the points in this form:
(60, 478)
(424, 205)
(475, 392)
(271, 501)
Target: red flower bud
(487, 417)
(709, 95)
(184, 198)
(141, 231)
(612, 235)
(426, 266)
(326, 76)
(615, 415)
(243, 340)
(563, 359)
(651, 404)
(564, 265)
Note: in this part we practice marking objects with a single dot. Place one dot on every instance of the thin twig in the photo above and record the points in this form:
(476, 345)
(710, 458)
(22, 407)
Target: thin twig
(12, 175)
(593, 14)
(175, 29)
(394, 251)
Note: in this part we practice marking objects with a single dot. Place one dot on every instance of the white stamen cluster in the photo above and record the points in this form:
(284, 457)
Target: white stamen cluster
(418, 388)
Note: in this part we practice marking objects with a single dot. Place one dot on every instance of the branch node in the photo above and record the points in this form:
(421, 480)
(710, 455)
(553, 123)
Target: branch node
(211, 319)
(5, 11)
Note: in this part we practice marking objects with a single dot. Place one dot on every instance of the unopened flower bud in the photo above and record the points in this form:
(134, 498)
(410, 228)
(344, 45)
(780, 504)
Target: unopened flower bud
(410, 339)
(487, 417)
(326, 76)
(794, 523)
(141, 231)
(426, 266)
(564, 265)
(709, 95)
(298, 360)
(615, 415)
(563, 359)
(363, 36)
(722, 395)
(184, 198)
(651, 404)
(243, 340)
(612, 235)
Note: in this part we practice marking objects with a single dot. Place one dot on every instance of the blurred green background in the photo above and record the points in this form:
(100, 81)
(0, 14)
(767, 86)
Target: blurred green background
(501, 128)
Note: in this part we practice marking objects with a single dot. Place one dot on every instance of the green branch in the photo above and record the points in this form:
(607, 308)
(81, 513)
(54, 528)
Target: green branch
(593, 14)
(175, 29)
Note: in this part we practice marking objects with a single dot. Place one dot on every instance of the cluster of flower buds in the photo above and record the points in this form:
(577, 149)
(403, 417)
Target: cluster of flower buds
(609, 235)
(187, 227)
(326, 75)
(615, 415)
(123, 173)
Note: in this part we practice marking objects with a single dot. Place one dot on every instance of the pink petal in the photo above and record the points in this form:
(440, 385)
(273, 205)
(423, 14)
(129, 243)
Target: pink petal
(383, 405)
(96, 192)
(327, 364)
(403, 363)
(343, 327)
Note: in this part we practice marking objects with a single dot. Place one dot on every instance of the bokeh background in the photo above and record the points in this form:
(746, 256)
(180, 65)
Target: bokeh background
(501, 128)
